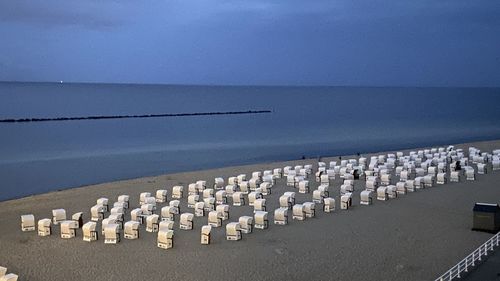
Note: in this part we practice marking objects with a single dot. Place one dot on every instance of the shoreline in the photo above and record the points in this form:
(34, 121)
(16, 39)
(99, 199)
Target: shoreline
(415, 237)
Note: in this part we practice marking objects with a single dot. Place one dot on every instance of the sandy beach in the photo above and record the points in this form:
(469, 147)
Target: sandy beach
(415, 237)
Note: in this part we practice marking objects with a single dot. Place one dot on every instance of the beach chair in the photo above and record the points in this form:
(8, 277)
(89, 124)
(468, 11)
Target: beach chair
(304, 186)
(244, 187)
(385, 180)
(150, 201)
(285, 202)
(366, 197)
(290, 180)
(278, 173)
(238, 199)
(119, 205)
(252, 196)
(221, 197)
(175, 205)
(117, 210)
(177, 192)
(209, 204)
(233, 231)
(152, 222)
(131, 230)
(104, 202)
(78, 218)
(291, 197)
(58, 215)
(298, 212)
(404, 175)
(410, 186)
(269, 179)
(281, 216)
(328, 205)
(107, 221)
(147, 209)
(201, 185)
(401, 187)
(495, 165)
(382, 193)
(261, 221)
(432, 170)
(161, 196)
(192, 200)
(186, 221)
(240, 178)
(346, 188)
(218, 183)
(317, 196)
(89, 230)
(214, 219)
(470, 174)
(309, 209)
(286, 170)
(68, 229)
(205, 234)
(455, 176)
(254, 183)
(232, 181)
(325, 179)
(428, 180)
(481, 169)
(28, 222)
(419, 183)
(441, 178)
(166, 225)
(199, 209)
(371, 185)
(143, 196)
(193, 189)
(208, 192)
(9, 277)
(165, 239)
(125, 200)
(259, 205)
(112, 234)
(246, 224)
(392, 191)
(230, 189)
(345, 201)
(168, 213)
(44, 227)
(97, 212)
(265, 188)
(136, 215)
(223, 211)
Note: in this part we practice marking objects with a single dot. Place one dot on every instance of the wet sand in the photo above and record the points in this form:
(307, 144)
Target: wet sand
(415, 237)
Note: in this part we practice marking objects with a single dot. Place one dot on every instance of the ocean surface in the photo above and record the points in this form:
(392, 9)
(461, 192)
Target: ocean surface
(37, 157)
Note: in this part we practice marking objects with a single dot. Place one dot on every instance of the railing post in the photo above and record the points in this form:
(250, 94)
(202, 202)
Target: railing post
(458, 270)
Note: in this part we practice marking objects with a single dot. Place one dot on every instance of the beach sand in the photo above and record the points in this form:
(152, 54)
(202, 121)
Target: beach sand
(415, 237)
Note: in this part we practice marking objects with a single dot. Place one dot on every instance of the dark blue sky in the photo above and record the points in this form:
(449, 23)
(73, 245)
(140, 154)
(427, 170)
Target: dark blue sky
(379, 42)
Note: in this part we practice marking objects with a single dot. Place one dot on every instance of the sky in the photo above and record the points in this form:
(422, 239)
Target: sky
(448, 43)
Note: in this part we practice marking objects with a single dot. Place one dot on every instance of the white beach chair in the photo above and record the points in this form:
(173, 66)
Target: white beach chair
(265, 188)
(371, 185)
(401, 187)
(209, 204)
(259, 205)
(89, 230)
(291, 196)
(165, 239)
(244, 187)
(112, 234)
(201, 185)
(218, 183)
(346, 188)
(208, 192)
(186, 221)
(429, 180)
(304, 187)
(441, 178)
(136, 215)
(298, 212)
(166, 225)
(193, 189)
(104, 202)
(161, 196)
(382, 193)
(192, 200)
(254, 183)
(366, 197)
(131, 230)
(205, 234)
(278, 173)
(385, 179)
(58, 215)
(68, 229)
(199, 209)
(175, 204)
(470, 174)
(495, 165)
(230, 189)
(221, 197)
(285, 201)
(44, 227)
(482, 169)
(410, 186)
(261, 221)
(419, 183)
(310, 209)
(246, 224)
(177, 192)
(223, 211)
(233, 231)
(281, 216)
(238, 199)
(325, 179)
(328, 205)
(125, 200)
(28, 222)
(455, 176)
(345, 201)
(147, 209)
(392, 191)
(152, 222)
(214, 219)
(78, 218)
(404, 175)
(97, 212)
(107, 221)
(252, 196)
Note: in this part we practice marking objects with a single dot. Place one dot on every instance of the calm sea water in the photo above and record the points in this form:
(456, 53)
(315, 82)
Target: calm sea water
(306, 121)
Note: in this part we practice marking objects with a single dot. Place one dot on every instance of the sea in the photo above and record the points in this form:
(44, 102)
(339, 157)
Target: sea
(310, 122)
